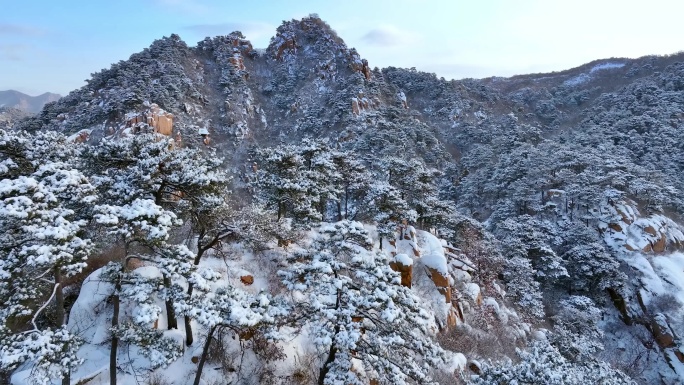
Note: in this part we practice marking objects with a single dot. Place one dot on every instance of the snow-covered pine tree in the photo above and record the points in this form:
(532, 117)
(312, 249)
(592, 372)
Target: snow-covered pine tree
(357, 311)
(543, 364)
(417, 185)
(236, 310)
(150, 186)
(281, 184)
(43, 200)
(142, 228)
(149, 167)
(384, 206)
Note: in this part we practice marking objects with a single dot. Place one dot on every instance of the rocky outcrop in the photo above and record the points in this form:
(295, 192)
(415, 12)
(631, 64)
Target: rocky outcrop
(241, 47)
(404, 265)
(442, 283)
(624, 227)
(160, 120)
(361, 103)
(247, 279)
(155, 118)
(359, 65)
(402, 99)
(662, 332)
(285, 43)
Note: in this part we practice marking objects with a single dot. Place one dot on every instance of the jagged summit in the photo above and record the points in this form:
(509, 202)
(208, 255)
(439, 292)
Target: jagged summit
(311, 35)
(308, 82)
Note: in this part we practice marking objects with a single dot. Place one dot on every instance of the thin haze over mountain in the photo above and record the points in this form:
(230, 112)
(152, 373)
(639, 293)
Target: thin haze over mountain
(21, 101)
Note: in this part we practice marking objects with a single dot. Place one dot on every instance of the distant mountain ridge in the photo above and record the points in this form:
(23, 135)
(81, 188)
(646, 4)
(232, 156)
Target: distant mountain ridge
(28, 103)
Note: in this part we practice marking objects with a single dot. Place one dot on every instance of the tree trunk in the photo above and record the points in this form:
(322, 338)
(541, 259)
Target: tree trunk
(322, 203)
(4, 378)
(189, 339)
(60, 313)
(203, 358)
(170, 313)
(339, 211)
(159, 194)
(331, 358)
(115, 323)
(59, 297)
(346, 203)
(333, 350)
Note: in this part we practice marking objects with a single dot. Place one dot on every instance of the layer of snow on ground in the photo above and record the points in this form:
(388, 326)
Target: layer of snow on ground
(404, 259)
(671, 270)
(577, 80)
(433, 252)
(605, 66)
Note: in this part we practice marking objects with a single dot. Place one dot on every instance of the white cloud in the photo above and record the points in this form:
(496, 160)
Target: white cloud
(20, 30)
(388, 35)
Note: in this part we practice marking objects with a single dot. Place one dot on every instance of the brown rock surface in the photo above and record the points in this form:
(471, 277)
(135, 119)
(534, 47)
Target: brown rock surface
(406, 272)
(452, 318)
(474, 368)
(616, 227)
(247, 335)
(288, 44)
(680, 355)
(662, 334)
(160, 120)
(650, 230)
(442, 283)
(660, 245)
(247, 279)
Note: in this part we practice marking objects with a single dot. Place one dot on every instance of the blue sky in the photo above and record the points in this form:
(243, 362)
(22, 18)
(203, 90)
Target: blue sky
(54, 46)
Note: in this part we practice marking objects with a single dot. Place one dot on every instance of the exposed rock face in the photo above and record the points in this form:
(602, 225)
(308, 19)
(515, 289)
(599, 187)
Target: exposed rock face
(654, 233)
(452, 318)
(154, 117)
(615, 227)
(662, 332)
(286, 44)
(359, 65)
(241, 47)
(247, 279)
(160, 120)
(679, 355)
(405, 270)
(442, 283)
(361, 103)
